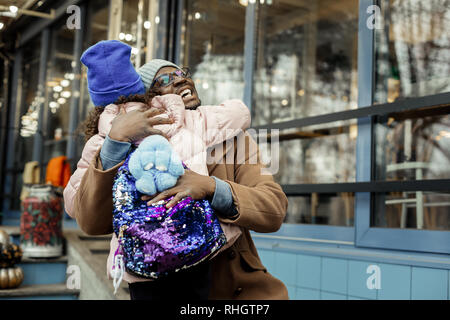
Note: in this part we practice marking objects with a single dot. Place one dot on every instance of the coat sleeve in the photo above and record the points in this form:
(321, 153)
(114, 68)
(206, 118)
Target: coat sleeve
(259, 200)
(93, 204)
(92, 146)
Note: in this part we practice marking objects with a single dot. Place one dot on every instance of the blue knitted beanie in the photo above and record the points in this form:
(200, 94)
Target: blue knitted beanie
(110, 72)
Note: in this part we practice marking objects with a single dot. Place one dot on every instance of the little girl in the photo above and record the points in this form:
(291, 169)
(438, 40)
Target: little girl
(191, 133)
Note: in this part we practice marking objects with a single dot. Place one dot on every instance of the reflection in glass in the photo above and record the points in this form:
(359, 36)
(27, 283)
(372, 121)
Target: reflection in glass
(413, 145)
(324, 209)
(98, 22)
(318, 154)
(306, 62)
(59, 90)
(417, 210)
(132, 30)
(27, 108)
(412, 50)
(212, 46)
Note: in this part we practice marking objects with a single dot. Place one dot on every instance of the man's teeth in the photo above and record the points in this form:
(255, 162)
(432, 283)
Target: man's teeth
(186, 93)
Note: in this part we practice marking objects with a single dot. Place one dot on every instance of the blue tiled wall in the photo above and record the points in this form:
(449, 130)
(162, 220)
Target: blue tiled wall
(313, 277)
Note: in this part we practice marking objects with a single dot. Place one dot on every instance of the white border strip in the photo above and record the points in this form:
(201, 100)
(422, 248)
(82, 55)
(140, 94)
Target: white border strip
(303, 239)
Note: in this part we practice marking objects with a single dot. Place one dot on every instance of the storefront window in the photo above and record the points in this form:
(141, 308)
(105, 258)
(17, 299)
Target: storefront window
(414, 210)
(413, 146)
(319, 154)
(412, 49)
(325, 209)
(213, 46)
(98, 22)
(413, 60)
(28, 104)
(145, 29)
(132, 31)
(59, 90)
(306, 65)
(306, 62)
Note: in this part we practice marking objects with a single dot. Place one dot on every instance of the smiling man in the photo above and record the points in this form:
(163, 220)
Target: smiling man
(167, 78)
(239, 193)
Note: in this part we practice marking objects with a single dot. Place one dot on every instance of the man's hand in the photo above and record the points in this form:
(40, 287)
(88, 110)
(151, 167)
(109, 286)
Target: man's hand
(191, 184)
(137, 124)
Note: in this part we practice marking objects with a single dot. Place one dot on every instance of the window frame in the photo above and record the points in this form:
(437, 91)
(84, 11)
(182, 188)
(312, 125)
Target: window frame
(365, 235)
(361, 234)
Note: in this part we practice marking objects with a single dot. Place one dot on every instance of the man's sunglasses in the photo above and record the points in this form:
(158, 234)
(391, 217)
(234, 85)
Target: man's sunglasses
(167, 78)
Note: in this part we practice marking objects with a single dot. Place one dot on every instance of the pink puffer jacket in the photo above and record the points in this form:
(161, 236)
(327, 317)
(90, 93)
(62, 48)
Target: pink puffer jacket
(192, 132)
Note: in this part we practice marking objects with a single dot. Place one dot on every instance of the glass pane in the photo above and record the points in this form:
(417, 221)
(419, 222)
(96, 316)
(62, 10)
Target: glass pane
(416, 210)
(306, 61)
(144, 28)
(412, 49)
(317, 154)
(413, 145)
(98, 22)
(129, 28)
(28, 105)
(324, 209)
(59, 90)
(213, 46)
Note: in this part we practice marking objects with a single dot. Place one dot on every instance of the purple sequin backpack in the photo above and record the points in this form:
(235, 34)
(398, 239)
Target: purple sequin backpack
(154, 241)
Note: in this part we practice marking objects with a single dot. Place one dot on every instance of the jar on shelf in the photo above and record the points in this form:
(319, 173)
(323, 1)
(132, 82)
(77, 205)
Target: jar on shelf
(41, 223)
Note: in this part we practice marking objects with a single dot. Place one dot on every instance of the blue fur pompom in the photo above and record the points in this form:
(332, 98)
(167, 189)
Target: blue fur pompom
(155, 165)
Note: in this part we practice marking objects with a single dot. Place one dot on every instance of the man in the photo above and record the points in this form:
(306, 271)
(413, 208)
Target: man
(240, 193)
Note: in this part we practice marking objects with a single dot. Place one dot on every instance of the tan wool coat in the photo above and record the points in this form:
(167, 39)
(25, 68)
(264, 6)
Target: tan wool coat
(237, 273)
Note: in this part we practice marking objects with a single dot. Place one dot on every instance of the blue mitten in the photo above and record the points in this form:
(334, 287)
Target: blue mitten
(155, 166)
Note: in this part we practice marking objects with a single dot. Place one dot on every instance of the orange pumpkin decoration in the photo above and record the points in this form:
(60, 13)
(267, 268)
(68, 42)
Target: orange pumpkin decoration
(10, 254)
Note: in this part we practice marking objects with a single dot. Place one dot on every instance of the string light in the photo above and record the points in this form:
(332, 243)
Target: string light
(65, 94)
(53, 105)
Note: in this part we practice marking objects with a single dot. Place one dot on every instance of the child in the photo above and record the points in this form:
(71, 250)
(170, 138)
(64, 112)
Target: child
(111, 78)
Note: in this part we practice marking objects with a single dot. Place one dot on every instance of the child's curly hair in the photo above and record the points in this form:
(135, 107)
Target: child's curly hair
(90, 125)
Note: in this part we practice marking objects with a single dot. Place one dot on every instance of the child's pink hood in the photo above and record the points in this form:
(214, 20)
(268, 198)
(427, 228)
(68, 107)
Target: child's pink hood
(190, 135)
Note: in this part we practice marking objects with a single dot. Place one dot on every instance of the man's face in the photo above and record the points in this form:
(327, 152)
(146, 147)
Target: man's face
(184, 87)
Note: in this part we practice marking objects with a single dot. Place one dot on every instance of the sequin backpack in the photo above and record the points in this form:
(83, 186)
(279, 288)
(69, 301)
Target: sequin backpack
(154, 241)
